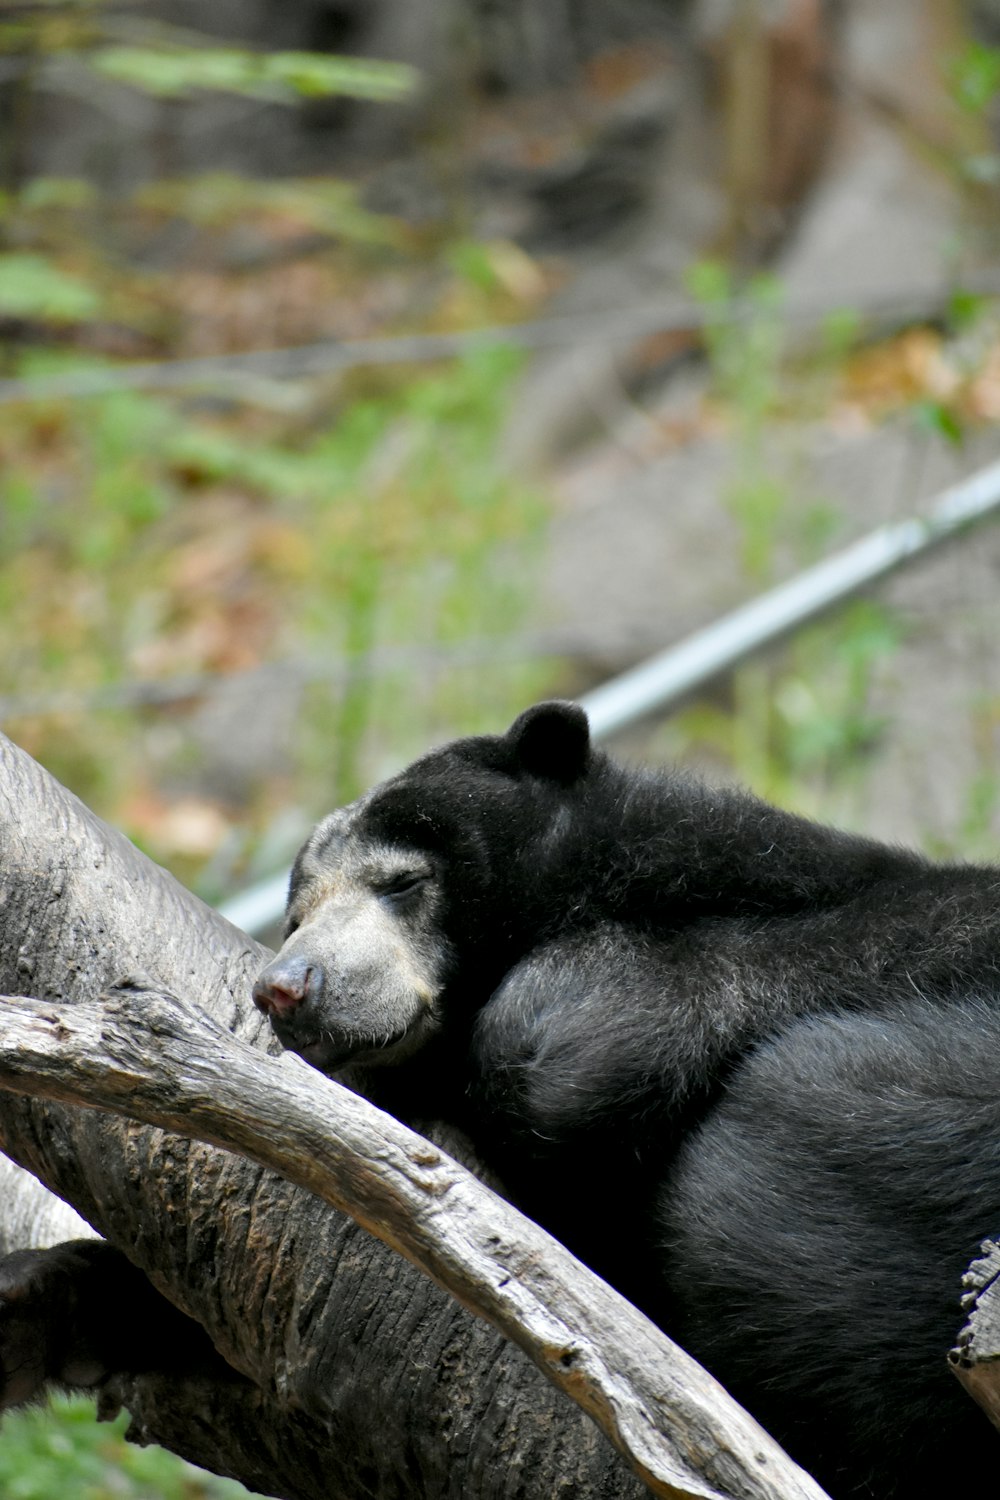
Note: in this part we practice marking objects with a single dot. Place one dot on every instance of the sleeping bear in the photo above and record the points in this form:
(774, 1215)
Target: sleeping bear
(747, 1067)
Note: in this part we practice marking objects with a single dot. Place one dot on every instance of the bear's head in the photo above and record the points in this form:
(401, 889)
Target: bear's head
(417, 897)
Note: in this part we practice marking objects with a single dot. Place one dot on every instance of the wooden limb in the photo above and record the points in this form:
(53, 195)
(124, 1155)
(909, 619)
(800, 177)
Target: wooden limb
(976, 1356)
(161, 1060)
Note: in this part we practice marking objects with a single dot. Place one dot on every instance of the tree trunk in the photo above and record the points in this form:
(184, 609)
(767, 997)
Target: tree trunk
(351, 1374)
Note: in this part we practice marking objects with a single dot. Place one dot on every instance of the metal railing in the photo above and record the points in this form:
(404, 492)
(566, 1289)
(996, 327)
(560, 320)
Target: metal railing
(661, 681)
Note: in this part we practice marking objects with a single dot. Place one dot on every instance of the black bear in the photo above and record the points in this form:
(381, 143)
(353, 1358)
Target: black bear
(745, 1066)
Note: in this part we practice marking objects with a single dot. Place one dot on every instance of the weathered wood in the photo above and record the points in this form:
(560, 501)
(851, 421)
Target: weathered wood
(976, 1356)
(158, 1059)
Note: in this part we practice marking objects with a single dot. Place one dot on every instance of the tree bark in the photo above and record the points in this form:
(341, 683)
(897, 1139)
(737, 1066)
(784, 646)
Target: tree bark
(976, 1356)
(353, 1375)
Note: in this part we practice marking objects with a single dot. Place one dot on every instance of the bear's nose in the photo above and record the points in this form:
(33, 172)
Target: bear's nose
(284, 985)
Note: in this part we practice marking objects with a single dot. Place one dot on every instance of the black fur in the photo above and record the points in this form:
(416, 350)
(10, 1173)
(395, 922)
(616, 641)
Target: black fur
(821, 1217)
(744, 1065)
(78, 1313)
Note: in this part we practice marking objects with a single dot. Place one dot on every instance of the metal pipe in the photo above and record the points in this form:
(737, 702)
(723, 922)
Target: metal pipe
(658, 683)
(669, 675)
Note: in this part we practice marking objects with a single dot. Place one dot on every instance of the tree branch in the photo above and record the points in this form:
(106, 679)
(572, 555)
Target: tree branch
(160, 1060)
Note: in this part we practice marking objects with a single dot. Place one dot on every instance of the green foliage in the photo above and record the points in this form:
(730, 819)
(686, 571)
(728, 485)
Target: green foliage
(823, 720)
(388, 527)
(171, 63)
(744, 336)
(172, 71)
(941, 419)
(420, 532)
(839, 334)
(31, 286)
(966, 309)
(746, 352)
(974, 80)
(365, 536)
(798, 727)
(215, 200)
(475, 264)
(43, 193)
(63, 1452)
(974, 836)
(975, 77)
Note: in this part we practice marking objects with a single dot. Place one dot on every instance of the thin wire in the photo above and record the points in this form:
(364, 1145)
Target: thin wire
(325, 356)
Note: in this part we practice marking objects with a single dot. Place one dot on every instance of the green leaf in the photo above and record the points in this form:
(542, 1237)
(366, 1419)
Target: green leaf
(175, 72)
(16, 36)
(965, 308)
(710, 283)
(975, 77)
(934, 416)
(839, 331)
(473, 261)
(57, 192)
(32, 287)
(222, 198)
(314, 74)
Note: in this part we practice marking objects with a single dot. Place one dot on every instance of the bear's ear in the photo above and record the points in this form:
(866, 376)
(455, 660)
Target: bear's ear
(551, 739)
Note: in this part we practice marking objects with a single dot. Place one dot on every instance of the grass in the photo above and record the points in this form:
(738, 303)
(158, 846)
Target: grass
(60, 1452)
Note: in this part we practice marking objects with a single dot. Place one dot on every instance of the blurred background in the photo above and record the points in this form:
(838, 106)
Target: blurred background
(371, 368)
